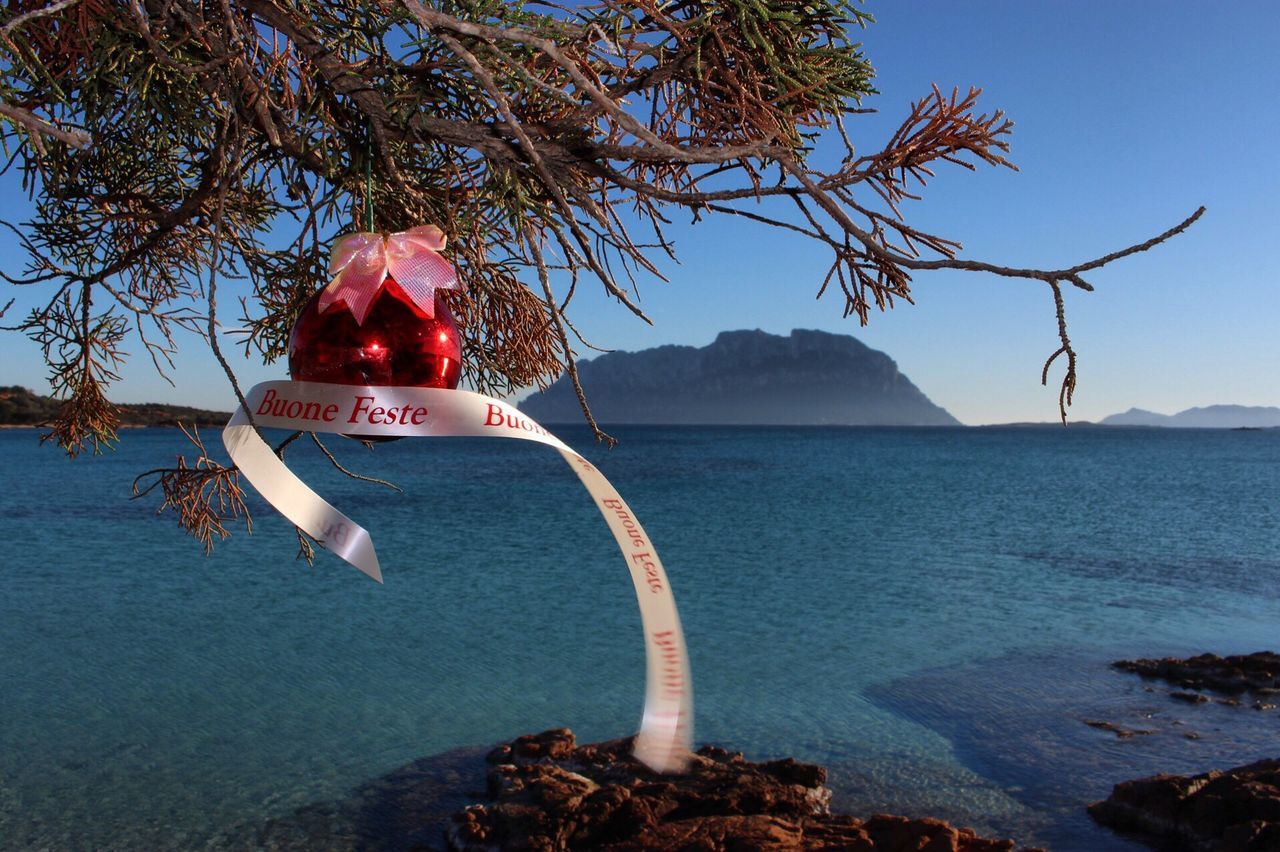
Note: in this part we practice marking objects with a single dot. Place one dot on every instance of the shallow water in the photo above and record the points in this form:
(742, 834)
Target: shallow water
(927, 612)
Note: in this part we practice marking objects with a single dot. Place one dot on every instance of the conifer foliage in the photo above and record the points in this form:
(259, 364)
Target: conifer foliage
(170, 143)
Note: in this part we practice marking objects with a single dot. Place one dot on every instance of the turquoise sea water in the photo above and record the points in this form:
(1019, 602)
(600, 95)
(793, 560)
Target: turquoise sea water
(929, 613)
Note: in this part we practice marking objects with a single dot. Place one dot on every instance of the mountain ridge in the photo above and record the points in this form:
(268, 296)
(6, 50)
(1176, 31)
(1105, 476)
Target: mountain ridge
(745, 377)
(1201, 417)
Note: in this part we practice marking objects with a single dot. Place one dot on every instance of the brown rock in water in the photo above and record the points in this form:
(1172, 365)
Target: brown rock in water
(1233, 811)
(1258, 672)
(548, 793)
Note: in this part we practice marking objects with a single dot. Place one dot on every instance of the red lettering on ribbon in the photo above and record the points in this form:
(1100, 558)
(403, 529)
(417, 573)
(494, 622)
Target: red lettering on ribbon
(671, 665)
(274, 405)
(362, 404)
(496, 416)
(651, 578)
(628, 523)
(267, 399)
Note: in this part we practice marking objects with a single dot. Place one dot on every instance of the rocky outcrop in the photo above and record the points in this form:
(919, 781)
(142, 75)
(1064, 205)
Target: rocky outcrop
(548, 793)
(1257, 674)
(1233, 811)
(745, 377)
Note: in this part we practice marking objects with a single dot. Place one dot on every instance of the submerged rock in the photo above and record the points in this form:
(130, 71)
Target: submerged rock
(1233, 811)
(548, 793)
(1121, 732)
(405, 810)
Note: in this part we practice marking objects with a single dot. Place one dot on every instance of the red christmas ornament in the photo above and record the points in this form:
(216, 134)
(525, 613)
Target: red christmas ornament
(381, 320)
(397, 344)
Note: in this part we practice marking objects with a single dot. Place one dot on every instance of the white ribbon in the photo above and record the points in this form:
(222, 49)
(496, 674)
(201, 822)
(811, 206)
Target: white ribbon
(666, 728)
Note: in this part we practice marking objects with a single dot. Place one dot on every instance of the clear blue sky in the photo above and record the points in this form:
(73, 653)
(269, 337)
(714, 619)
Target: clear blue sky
(1128, 116)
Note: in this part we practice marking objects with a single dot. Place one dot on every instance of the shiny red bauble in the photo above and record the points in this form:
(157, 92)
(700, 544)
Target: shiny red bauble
(397, 344)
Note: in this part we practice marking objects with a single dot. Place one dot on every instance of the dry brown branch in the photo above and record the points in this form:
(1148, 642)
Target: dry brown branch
(25, 17)
(1068, 387)
(549, 181)
(232, 162)
(73, 138)
(306, 546)
(283, 445)
(570, 360)
(204, 494)
(358, 476)
(85, 420)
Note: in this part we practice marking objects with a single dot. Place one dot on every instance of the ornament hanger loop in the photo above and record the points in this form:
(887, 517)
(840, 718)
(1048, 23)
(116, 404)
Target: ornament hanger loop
(368, 186)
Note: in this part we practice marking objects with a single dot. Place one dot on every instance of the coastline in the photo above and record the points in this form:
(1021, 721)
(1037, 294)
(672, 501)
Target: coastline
(824, 571)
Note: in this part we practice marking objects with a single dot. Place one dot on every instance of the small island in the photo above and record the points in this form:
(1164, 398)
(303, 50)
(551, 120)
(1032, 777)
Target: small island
(745, 378)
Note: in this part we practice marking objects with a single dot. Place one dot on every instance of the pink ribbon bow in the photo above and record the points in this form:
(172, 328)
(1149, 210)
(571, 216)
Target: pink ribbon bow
(361, 262)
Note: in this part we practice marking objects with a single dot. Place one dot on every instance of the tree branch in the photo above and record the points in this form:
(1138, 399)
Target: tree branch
(74, 138)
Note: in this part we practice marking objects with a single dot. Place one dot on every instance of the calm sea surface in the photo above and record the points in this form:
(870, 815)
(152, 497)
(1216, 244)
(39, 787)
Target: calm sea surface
(929, 613)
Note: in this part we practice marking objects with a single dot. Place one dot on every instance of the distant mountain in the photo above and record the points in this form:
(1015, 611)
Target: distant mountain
(745, 377)
(21, 407)
(1209, 417)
